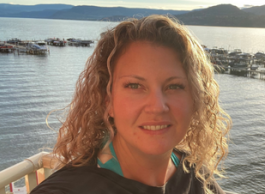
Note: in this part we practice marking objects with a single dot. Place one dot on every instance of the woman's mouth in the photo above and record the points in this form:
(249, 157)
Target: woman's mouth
(154, 127)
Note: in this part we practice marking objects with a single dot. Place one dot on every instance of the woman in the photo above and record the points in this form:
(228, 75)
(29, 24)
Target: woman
(145, 117)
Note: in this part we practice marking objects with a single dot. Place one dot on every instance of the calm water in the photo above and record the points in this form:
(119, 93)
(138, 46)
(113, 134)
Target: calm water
(32, 86)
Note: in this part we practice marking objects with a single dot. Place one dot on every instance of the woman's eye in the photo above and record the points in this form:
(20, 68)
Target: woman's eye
(175, 86)
(133, 86)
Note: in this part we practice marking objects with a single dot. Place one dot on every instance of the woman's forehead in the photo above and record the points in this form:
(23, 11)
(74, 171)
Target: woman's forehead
(144, 58)
(135, 46)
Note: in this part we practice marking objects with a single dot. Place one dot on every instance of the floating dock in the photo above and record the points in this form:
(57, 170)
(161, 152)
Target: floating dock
(6, 48)
(247, 72)
(28, 47)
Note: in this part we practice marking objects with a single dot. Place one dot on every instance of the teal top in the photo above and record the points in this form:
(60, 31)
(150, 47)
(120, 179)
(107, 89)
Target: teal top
(114, 165)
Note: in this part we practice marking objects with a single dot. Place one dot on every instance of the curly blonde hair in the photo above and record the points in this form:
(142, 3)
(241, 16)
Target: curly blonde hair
(87, 126)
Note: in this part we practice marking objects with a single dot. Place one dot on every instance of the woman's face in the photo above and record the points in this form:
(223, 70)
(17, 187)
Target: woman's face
(151, 99)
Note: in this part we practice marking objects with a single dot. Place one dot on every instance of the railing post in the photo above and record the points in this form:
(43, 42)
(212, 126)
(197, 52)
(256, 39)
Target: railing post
(47, 172)
(43, 174)
(31, 181)
(2, 190)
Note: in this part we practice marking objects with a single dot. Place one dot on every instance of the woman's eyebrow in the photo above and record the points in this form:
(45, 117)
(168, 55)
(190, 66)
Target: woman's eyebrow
(143, 79)
(175, 77)
(134, 76)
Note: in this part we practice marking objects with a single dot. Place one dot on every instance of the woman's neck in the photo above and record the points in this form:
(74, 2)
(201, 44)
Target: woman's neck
(147, 169)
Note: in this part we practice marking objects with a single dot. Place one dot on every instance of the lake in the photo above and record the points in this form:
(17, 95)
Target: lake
(32, 86)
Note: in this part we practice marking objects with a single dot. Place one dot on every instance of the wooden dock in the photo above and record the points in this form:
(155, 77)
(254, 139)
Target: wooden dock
(12, 47)
(20, 48)
(247, 72)
(241, 71)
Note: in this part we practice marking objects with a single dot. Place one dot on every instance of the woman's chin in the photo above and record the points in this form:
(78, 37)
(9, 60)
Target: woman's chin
(156, 149)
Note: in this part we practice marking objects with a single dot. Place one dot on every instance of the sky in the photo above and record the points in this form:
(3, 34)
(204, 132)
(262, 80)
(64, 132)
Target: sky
(154, 4)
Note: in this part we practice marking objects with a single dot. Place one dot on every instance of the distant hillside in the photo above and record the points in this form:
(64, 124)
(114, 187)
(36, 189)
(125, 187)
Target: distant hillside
(38, 7)
(34, 14)
(108, 13)
(8, 10)
(257, 10)
(222, 15)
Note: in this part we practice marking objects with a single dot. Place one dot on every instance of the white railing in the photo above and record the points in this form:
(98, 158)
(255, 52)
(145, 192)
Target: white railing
(35, 169)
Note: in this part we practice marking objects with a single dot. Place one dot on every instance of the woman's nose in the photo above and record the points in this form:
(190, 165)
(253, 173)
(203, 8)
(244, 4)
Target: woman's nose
(156, 102)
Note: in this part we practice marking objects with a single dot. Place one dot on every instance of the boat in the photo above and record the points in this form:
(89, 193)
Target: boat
(42, 45)
(79, 42)
(55, 41)
(240, 63)
(49, 40)
(38, 47)
(218, 56)
(257, 64)
(5, 48)
(32, 47)
(261, 69)
(234, 53)
(260, 55)
(218, 52)
(246, 56)
(13, 41)
(254, 67)
(21, 47)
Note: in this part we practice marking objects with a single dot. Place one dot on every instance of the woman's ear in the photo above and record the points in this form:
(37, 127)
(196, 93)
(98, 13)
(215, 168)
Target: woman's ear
(111, 112)
(109, 107)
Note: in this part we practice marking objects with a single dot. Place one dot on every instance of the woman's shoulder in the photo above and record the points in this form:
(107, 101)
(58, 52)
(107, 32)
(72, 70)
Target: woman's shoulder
(71, 180)
(187, 180)
(90, 180)
(94, 180)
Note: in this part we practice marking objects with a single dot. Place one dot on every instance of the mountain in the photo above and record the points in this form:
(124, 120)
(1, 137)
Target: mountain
(222, 15)
(219, 15)
(111, 13)
(10, 10)
(257, 10)
(39, 7)
(34, 14)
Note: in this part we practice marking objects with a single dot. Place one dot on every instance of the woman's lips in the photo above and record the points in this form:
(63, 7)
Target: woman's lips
(154, 127)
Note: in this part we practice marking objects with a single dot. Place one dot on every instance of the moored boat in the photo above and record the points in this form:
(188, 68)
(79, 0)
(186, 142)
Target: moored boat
(5, 48)
(79, 42)
(260, 55)
(13, 41)
(254, 67)
(234, 53)
(55, 41)
(38, 47)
